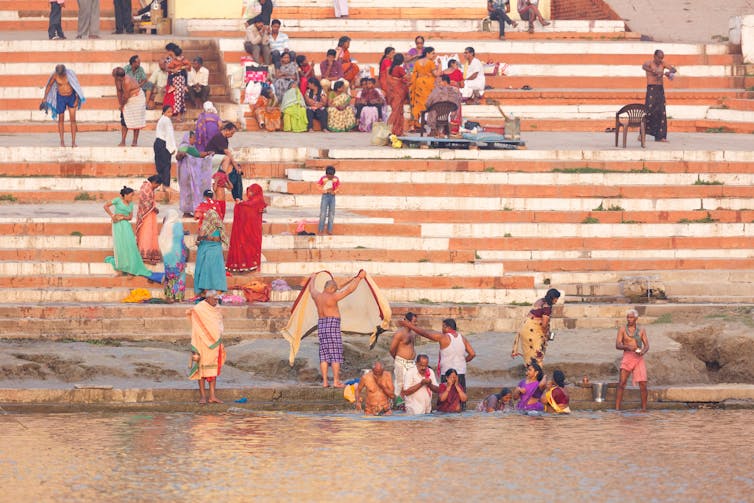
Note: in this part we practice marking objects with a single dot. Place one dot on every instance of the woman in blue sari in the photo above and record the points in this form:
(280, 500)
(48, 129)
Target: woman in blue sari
(126, 257)
(529, 390)
(209, 273)
(174, 256)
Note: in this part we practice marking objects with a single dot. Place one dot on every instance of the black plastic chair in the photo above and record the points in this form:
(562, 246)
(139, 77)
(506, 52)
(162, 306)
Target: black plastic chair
(443, 109)
(633, 115)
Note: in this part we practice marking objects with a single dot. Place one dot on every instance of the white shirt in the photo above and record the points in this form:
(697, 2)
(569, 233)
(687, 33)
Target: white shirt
(475, 66)
(420, 402)
(454, 356)
(201, 77)
(166, 133)
(279, 44)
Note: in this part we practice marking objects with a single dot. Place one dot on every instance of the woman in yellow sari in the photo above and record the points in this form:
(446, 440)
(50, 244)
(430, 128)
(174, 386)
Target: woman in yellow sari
(422, 82)
(531, 340)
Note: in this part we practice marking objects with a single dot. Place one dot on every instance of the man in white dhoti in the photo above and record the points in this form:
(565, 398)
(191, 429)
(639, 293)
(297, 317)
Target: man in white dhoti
(341, 8)
(473, 75)
(418, 385)
(133, 105)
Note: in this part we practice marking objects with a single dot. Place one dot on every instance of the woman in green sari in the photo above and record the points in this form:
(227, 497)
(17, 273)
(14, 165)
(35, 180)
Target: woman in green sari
(126, 257)
(294, 111)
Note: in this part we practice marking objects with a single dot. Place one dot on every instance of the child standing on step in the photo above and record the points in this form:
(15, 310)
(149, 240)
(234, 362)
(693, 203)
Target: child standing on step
(329, 186)
(55, 28)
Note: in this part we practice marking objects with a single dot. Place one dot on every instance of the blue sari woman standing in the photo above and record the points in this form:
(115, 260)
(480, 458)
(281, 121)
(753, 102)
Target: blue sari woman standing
(209, 273)
(126, 257)
(174, 256)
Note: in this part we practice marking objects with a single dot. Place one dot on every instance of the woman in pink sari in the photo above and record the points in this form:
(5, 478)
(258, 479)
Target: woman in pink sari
(397, 95)
(146, 222)
(245, 252)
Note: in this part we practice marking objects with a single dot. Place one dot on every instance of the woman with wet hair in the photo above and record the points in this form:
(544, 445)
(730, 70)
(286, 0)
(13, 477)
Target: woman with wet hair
(529, 390)
(531, 341)
(555, 398)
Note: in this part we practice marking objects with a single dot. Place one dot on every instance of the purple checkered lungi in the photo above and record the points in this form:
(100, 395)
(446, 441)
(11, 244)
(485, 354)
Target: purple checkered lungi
(330, 341)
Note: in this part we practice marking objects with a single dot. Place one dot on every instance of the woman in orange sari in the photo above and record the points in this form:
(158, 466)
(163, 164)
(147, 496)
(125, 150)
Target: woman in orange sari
(350, 70)
(396, 80)
(265, 112)
(422, 82)
(146, 222)
(245, 252)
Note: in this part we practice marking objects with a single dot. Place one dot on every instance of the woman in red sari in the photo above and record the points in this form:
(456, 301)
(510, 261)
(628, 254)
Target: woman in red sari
(245, 252)
(350, 70)
(385, 63)
(146, 222)
(397, 94)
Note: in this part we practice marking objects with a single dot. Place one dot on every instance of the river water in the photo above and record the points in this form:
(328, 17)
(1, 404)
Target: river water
(699, 455)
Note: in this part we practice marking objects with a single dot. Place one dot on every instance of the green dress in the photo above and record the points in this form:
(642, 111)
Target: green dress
(127, 256)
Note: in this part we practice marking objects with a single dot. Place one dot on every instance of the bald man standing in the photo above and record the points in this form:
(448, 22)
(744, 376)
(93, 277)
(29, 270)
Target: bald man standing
(328, 325)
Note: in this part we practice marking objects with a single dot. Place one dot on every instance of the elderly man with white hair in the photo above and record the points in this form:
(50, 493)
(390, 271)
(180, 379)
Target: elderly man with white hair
(632, 340)
(207, 350)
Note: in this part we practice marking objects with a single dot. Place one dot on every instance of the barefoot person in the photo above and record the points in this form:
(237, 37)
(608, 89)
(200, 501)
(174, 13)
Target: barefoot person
(328, 325)
(133, 106)
(380, 392)
(632, 340)
(63, 92)
(207, 350)
(656, 69)
(403, 352)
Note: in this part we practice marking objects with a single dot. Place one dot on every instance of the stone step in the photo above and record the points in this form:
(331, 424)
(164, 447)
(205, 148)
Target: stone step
(455, 270)
(628, 230)
(115, 292)
(615, 180)
(670, 241)
(548, 215)
(586, 202)
(632, 264)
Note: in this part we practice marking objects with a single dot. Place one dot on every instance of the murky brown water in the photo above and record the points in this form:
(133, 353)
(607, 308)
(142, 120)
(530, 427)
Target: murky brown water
(703, 455)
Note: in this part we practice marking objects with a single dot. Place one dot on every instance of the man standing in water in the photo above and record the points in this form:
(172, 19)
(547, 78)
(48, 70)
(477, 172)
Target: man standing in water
(657, 122)
(418, 387)
(632, 340)
(380, 392)
(455, 350)
(207, 350)
(328, 325)
(402, 351)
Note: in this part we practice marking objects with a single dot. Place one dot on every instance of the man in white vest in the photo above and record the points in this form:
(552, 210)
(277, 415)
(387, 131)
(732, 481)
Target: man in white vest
(455, 350)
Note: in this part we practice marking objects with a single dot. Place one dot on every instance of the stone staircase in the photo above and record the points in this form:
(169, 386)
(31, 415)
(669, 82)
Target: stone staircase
(466, 234)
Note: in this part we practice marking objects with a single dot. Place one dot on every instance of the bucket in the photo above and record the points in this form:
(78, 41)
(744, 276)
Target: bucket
(599, 391)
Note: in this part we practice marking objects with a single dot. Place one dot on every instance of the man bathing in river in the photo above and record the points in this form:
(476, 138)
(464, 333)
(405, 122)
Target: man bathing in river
(402, 351)
(455, 350)
(419, 384)
(632, 340)
(380, 392)
(328, 325)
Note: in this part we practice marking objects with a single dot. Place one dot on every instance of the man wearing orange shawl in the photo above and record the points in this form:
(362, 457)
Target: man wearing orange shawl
(245, 252)
(207, 350)
(146, 222)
